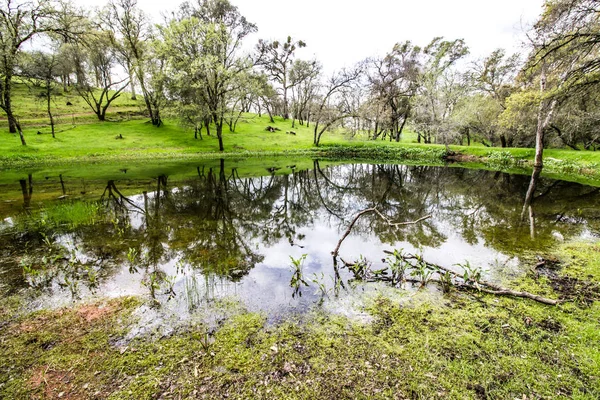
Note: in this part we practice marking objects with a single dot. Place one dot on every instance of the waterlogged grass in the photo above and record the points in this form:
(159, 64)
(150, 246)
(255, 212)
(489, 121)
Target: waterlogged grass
(469, 346)
(55, 217)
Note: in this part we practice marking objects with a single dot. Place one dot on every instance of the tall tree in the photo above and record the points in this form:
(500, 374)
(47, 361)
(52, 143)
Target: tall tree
(332, 108)
(440, 90)
(133, 36)
(277, 58)
(304, 80)
(394, 81)
(202, 45)
(565, 59)
(95, 81)
(20, 21)
(43, 70)
(495, 76)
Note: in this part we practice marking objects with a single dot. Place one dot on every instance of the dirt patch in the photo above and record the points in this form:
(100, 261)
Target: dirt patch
(95, 312)
(575, 289)
(50, 384)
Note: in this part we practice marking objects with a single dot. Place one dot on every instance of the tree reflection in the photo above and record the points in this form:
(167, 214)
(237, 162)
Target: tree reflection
(221, 224)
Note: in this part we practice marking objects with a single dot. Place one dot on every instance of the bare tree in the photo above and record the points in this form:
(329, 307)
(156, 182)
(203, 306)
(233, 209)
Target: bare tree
(277, 59)
(332, 108)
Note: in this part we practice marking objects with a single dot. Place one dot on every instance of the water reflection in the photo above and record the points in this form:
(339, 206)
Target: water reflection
(215, 233)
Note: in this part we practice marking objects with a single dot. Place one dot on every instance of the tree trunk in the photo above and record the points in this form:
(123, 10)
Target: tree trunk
(132, 83)
(503, 141)
(15, 126)
(48, 99)
(220, 136)
(545, 112)
(401, 129)
(529, 196)
(207, 124)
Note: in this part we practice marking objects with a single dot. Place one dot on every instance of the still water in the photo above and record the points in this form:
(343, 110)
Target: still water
(210, 234)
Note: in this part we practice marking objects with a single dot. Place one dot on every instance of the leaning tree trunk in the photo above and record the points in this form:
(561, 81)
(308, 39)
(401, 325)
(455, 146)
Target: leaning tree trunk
(545, 112)
(12, 122)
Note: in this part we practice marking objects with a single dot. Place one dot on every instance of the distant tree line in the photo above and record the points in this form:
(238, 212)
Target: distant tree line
(191, 66)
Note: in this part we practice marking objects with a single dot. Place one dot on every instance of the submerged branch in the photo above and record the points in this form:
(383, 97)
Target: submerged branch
(480, 285)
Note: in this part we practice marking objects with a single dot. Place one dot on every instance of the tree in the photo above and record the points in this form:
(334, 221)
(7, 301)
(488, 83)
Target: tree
(132, 40)
(19, 23)
(332, 108)
(477, 118)
(495, 76)
(277, 59)
(267, 96)
(394, 81)
(201, 46)
(43, 70)
(440, 90)
(565, 59)
(304, 80)
(97, 59)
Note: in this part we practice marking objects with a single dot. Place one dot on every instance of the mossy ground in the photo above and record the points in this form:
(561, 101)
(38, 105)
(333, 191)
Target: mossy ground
(467, 346)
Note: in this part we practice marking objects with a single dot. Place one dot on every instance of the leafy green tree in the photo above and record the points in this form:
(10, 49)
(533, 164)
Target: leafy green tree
(440, 90)
(495, 76)
(97, 58)
(201, 47)
(133, 42)
(477, 118)
(43, 70)
(20, 22)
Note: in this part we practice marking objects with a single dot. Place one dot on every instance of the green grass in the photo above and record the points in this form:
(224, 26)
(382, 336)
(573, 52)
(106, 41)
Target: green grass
(90, 141)
(462, 347)
(30, 108)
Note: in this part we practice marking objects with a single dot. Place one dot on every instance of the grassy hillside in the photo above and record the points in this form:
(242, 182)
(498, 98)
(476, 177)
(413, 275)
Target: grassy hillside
(30, 108)
(82, 138)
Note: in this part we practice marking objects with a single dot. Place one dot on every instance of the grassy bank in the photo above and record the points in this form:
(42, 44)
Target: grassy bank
(463, 346)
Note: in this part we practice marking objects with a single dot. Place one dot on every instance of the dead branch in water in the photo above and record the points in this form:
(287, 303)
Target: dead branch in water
(480, 285)
(335, 252)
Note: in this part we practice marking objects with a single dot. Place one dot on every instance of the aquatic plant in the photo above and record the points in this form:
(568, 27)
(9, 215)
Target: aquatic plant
(398, 266)
(297, 279)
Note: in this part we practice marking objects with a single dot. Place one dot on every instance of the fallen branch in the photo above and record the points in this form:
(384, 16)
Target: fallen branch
(482, 286)
(336, 252)
(499, 291)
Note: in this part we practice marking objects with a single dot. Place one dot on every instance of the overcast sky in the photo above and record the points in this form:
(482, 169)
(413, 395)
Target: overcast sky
(341, 32)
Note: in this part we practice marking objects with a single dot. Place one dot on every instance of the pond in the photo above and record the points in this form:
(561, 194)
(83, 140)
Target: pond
(260, 234)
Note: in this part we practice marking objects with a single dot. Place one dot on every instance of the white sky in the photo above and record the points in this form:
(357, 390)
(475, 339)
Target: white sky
(339, 33)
